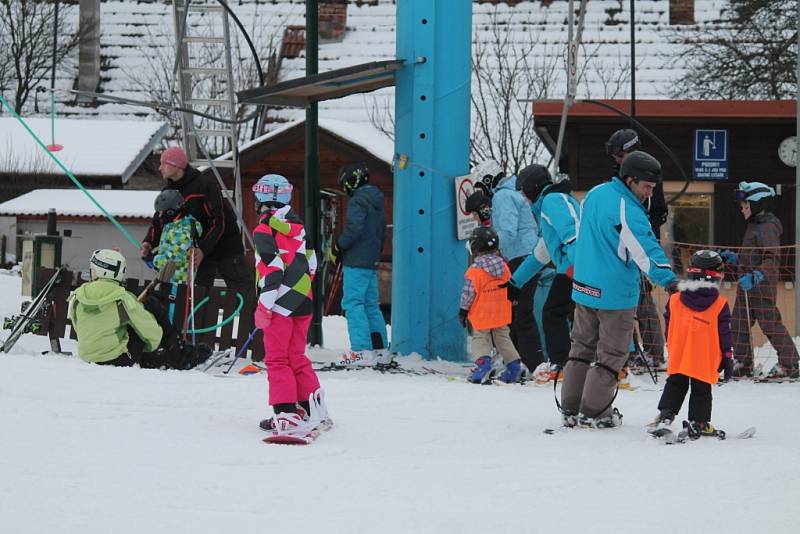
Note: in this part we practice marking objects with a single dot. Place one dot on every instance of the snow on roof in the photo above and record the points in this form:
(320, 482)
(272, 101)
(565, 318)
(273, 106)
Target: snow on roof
(73, 202)
(137, 39)
(361, 135)
(91, 147)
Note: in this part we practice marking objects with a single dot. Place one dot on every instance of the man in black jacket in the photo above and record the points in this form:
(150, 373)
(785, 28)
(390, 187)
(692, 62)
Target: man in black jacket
(219, 248)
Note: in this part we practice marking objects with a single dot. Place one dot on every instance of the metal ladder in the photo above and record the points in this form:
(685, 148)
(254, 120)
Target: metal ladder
(202, 13)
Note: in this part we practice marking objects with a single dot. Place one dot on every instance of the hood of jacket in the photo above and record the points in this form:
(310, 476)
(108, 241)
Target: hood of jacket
(564, 186)
(99, 293)
(698, 294)
(509, 182)
(371, 194)
(188, 175)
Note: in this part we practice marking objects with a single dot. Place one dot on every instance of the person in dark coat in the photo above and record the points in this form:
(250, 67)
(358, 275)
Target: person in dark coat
(360, 246)
(219, 248)
(757, 266)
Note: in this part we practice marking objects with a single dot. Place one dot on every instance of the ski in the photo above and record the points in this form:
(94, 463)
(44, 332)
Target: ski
(671, 438)
(21, 323)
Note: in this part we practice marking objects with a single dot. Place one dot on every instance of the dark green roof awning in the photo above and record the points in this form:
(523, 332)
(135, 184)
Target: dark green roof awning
(337, 83)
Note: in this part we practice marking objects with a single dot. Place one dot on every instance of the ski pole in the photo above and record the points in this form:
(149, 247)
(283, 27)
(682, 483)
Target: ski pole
(191, 297)
(749, 330)
(242, 349)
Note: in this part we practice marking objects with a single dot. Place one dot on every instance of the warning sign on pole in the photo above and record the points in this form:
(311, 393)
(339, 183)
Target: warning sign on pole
(465, 222)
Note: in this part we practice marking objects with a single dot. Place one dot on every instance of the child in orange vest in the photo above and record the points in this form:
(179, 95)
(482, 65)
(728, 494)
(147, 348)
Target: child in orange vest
(698, 327)
(485, 304)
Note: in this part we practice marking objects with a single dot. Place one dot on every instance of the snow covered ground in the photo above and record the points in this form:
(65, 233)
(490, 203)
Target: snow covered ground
(92, 449)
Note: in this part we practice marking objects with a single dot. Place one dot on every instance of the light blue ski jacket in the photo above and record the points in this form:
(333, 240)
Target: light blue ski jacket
(512, 220)
(615, 242)
(558, 215)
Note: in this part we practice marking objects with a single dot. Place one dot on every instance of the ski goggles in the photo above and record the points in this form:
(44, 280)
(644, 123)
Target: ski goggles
(705, 272)
(741, 194)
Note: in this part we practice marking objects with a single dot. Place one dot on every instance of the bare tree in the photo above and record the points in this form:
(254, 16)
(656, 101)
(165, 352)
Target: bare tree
(26, 41)
(752, 53)
(612, 75)
(507, 74)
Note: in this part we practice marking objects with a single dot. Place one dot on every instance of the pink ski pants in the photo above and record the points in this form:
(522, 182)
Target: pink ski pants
(289, 373)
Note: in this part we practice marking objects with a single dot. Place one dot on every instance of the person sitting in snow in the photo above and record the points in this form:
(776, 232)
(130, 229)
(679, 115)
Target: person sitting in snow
(114, 328)
(285, 269)
(485, 304)
(179, 233)
(698, 326)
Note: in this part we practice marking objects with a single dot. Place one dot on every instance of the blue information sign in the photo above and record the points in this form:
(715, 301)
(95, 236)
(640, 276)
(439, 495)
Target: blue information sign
(711, 154)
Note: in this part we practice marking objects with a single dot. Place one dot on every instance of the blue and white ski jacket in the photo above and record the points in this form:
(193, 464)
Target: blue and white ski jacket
(558, 216)
(615, 242)
(512, 220)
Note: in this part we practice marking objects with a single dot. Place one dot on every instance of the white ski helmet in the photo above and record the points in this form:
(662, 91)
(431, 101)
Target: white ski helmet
(488, 173)
(107, 263)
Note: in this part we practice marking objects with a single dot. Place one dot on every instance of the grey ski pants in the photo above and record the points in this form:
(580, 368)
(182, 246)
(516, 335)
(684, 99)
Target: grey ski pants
(600, 343)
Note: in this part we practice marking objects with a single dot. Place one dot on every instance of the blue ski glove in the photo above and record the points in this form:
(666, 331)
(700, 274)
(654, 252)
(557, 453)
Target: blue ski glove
(751, 280)
(729, 257)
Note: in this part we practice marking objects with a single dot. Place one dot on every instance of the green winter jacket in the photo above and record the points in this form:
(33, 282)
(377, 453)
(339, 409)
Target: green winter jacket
(101, 312)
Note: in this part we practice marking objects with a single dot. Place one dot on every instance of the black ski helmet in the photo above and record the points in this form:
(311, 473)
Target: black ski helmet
(532, 180)
(705, 265)
(483, 239)
(641, 166)
(353, 176)
(169, 202)
(479, 204)
(625, 140)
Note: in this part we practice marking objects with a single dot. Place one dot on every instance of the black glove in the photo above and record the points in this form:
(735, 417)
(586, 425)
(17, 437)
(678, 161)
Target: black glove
(672, 287)
(512, 291)
(462, 317)
(726, 367)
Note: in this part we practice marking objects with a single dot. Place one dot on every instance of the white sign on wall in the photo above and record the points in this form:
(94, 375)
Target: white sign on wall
(465, 222)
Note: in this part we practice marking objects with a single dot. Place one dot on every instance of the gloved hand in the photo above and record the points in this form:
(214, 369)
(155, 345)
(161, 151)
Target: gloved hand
(729, 257)
(262, 317)
(751, 280)
(726, 367)
(334, 252)
(462, 317)
(512, 291)
(571, 272)
(148, 260)
(672, 287)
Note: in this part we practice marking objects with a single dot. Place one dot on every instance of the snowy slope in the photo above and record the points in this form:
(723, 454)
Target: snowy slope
(93, 450)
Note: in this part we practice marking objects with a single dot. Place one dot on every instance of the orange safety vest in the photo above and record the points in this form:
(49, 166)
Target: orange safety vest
(491, 307)
(693, 340)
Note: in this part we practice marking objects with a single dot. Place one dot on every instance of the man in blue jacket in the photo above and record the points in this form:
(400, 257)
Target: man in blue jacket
(360, 246)
(513, 221)
(558, 215)
(615, 242)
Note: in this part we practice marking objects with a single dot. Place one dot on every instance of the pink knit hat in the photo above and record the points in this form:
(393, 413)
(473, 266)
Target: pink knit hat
(175, 156)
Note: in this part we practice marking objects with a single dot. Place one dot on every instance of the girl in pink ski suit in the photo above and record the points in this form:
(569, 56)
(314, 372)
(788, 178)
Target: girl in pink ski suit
(285, 269)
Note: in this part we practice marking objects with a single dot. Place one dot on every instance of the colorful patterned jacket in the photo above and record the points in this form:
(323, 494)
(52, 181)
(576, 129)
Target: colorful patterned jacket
(285, 267)
(176, 240)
